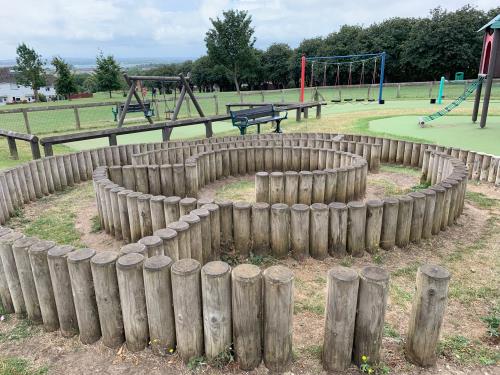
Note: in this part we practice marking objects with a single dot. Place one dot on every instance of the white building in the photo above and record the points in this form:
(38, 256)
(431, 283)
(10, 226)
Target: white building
(14, 93)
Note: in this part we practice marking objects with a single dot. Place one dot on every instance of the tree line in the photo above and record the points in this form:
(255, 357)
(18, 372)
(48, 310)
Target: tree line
(418, 49)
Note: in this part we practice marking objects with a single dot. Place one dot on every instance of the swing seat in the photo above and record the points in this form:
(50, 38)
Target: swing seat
(336, 101)
(360, 99)
(348, 100)
(371, 100)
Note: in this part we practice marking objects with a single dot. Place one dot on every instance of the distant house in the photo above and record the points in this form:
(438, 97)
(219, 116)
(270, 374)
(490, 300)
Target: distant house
(13, 93)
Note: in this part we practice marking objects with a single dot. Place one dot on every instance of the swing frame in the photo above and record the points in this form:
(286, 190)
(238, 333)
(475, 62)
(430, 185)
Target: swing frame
(343, 59)
(132, 83)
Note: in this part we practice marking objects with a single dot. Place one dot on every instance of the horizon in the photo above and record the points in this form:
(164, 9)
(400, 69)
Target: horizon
(78, 30)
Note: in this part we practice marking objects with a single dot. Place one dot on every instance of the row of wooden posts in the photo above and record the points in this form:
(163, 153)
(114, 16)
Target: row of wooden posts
(317, 230)
(145, 299)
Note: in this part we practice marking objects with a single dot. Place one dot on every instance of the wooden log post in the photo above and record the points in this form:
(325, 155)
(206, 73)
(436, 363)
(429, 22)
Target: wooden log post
(356, 228)
(305, 187)
(61, 282)
(280, 230)
(133, 216)
(103, 266)
(195, 236)
(216, 297)
(153, 245)
(186, 205)
(337, 239)
(157, 213)
(133, 248)
(374, 215)
(41, 274)
(318, 187)
(84, 295)
(429, 304)
(5, 296)
(170, 243)
(417, 218)
(299, 230)
(318, 235)
(144, 209)
(262, 187)
(261, 224)
(20, 250)
(278, 318)
(438, 208)
(430, 203)
(340, 316)
(246, 290)
(186, 291)
(171, 209)
(341, 185)
(389, 223)
(369, 326)
(226, 224)
(159, 304)
(215, 228)
(206, 235)
(403, 228)
(291, 187)
(133, 300)
(276, 188)
(242, 222)
(10, 271)
(183, 238)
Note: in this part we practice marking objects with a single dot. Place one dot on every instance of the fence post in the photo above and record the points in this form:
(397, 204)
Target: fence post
(262, 96)
(77, 117)
(12, 148)
(398, 91)
(282, 96)
(26, 120)
(216, 103)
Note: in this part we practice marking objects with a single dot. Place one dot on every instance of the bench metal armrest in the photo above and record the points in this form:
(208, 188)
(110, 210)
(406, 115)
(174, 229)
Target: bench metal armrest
(241, 118)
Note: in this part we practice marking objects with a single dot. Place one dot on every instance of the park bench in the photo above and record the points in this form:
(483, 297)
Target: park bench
(133, 107)
(244, 118)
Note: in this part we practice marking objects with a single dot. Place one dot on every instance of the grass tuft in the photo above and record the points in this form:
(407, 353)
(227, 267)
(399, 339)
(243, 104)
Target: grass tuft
(463, 351)
(480, 200)
(19, 366)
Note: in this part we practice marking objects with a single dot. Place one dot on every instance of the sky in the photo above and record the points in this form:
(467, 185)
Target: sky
(173, 29)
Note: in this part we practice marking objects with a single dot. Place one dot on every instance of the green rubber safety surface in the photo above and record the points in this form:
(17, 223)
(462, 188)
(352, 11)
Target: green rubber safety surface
(455, 131)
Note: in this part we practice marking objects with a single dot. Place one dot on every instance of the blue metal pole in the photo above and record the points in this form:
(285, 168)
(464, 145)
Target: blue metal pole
(381, 85)
(440, 92)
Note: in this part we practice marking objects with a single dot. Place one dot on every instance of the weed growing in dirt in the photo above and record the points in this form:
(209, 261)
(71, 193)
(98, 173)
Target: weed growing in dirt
(390, 331)
(237, 191)
(314, 351)
(400, 296)
(463, 351)
(408, 271)
(314, 304)
(492, 322)
(261, 260)
(196, 363)
(367, 368)
(23, 329)
(378, 257)
(95, 226)
(223, 359)
(346, 261)
(420, 186)
(19, 366)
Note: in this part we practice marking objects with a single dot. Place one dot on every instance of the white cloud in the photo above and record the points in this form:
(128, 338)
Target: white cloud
(171, 28)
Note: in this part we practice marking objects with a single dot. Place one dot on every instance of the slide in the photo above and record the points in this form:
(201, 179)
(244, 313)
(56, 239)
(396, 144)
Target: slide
(470, 89)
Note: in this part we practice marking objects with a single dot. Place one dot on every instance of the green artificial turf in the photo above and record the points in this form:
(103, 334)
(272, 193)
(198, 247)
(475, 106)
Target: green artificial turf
(455, 131)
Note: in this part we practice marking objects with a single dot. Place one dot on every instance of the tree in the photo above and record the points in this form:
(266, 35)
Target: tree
(65, 82)
(107, 74)
(275, 61)
(29, 68)
(230, 42)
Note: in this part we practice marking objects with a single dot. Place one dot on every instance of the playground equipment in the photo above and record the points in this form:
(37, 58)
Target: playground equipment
(489, 66)
(135, 81)
(468, 92)
(347, 62)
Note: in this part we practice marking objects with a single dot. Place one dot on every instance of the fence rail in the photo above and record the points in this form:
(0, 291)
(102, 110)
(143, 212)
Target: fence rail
(11, 140)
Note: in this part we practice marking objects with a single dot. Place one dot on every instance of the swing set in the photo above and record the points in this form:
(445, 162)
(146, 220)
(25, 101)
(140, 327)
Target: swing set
(340, 64)
(136, 84)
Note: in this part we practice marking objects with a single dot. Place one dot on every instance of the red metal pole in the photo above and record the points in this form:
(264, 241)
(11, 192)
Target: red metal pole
(302, 77)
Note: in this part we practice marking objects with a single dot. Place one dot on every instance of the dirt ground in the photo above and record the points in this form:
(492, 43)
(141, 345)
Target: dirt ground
(470, 250)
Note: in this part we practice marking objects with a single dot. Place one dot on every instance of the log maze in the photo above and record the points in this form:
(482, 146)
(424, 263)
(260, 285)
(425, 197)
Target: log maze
(167, 287)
